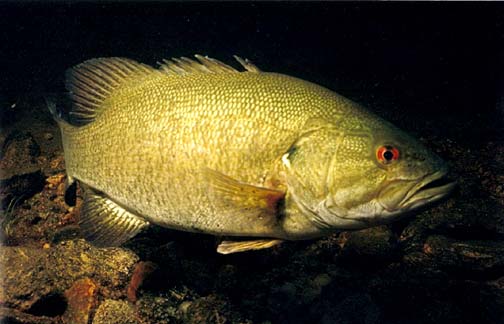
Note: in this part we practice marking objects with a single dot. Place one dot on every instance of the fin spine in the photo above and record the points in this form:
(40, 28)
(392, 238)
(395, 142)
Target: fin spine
(203, 64)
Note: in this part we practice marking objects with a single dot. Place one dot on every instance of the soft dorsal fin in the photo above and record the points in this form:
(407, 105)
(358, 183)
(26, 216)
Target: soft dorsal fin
(205, 64)
(92, 81)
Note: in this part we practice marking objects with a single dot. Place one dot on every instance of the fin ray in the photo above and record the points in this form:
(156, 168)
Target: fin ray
(228, 247)
(203, 64)
(258, 208)
(244, 194)
(91, 82)
(105, 223)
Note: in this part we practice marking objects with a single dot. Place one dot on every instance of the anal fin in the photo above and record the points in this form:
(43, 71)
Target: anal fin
(228, 247)
(105, 223)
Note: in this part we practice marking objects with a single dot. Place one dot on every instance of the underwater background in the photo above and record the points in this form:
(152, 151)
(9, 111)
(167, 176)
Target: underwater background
(436, 70)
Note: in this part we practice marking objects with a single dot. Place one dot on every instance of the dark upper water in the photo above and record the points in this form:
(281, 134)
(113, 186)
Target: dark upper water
(440, 61)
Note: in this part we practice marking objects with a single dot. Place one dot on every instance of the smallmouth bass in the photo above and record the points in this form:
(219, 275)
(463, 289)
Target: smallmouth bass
(202, 147)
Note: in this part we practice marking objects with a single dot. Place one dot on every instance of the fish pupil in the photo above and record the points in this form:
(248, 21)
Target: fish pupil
(388, 155)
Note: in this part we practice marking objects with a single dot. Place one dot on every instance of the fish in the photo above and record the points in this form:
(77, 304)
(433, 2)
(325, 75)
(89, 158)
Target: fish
(256, 158)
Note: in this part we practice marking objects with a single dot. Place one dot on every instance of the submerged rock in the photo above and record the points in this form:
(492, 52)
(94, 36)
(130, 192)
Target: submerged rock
(210, 309)
(81, 298)
(160, 309)
(115, 312)
(474, 258)
(376, 242)
(19, 146)
(356, 308)
(31, 274)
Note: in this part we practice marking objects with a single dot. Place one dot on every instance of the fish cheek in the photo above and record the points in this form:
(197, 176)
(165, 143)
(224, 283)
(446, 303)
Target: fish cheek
(355, 186)
(354, 178)
(307, 163)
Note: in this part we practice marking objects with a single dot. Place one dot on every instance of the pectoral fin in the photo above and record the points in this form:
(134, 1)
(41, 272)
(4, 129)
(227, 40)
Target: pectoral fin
(244, 194)
(228, 247)
(262, 206)
(105, 223)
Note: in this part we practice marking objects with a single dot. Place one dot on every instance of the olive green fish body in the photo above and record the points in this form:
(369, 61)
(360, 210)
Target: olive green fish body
(202, 147)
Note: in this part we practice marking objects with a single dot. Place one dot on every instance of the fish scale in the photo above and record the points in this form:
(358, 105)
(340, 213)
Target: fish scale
(199, 146)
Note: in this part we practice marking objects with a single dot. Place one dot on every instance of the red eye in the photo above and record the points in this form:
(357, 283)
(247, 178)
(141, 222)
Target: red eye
(386, 154)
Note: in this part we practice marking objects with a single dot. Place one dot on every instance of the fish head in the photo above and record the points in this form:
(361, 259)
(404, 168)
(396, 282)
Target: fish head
(372, 174)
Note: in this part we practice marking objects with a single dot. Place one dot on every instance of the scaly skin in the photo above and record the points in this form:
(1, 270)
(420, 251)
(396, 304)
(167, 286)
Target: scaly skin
(154, 137)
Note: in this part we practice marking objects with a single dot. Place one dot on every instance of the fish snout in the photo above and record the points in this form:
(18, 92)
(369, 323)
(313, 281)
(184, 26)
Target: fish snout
(406, 195)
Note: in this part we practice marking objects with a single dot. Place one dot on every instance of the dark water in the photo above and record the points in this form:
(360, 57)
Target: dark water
(434, 69)
(440, 59)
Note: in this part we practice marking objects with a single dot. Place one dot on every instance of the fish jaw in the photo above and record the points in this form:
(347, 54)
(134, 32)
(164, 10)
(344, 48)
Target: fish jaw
(410, 196)
(401, 198)
(430, 189)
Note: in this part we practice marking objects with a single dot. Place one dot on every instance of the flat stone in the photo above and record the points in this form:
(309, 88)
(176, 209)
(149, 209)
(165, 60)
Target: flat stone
(115, 312)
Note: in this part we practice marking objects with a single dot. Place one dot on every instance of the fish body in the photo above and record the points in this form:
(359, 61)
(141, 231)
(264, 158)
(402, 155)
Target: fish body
(201, 147)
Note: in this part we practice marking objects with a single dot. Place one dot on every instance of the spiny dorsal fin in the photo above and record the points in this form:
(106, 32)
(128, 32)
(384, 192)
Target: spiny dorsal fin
(92, 81)
(105, 223)
(249, 66)
(205, 64)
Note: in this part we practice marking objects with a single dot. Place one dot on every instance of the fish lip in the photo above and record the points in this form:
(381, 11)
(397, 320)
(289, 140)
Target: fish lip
(431, 188)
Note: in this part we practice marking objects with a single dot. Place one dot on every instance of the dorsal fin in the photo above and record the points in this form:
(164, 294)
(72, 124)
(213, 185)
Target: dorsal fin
(92, 81)
(205, 64)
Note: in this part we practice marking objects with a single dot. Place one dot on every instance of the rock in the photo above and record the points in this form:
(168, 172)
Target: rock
(13, 316)
(142, 270)
(30, 274)
(81, 298)
(211, 309)
(470, 257)
(492, 300)
(159, 309)
(115, 312)
(356, 308)
(314, 288)
(21, 186)
(69, 232)
(20, 146)
(20, 174)
(372, 243)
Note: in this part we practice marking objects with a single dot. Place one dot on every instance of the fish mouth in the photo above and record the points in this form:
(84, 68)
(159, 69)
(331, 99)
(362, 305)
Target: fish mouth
(431, 188)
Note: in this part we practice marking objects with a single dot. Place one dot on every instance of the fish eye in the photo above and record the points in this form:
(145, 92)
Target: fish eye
(386, 154)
